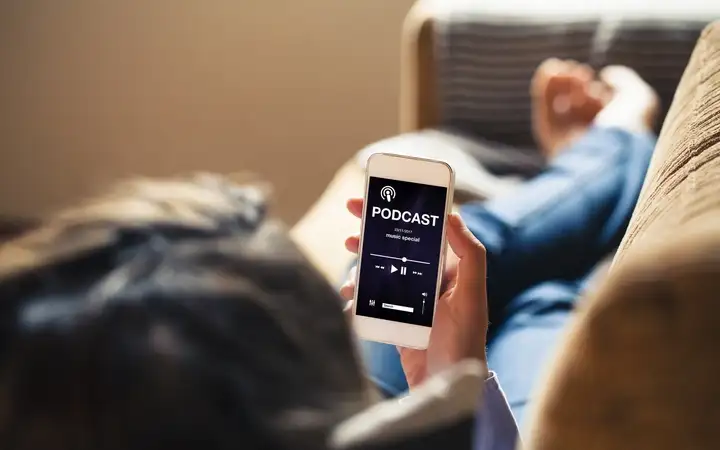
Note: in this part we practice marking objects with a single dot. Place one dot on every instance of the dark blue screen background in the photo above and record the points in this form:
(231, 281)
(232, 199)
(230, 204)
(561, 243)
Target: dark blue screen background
(405, 286)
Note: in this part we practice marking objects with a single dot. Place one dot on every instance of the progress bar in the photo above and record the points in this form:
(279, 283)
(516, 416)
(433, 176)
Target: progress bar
(397, 307)
(403, 259)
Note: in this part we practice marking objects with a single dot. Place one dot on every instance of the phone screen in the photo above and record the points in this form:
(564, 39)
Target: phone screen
(402, 240)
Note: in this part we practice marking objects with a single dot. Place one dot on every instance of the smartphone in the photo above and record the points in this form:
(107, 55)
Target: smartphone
(402, 248)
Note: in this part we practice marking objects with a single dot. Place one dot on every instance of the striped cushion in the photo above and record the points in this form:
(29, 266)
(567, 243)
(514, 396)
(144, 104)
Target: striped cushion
(486, 61)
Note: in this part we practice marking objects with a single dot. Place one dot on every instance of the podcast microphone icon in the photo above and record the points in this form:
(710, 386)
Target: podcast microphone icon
(387, 193)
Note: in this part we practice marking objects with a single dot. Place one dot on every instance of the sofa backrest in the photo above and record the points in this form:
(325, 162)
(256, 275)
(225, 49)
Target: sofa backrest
(639, 367)
(483, 54)
(683, 182)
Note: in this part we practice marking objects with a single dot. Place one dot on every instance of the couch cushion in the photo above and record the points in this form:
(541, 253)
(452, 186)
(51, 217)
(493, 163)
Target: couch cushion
(683, 182)
(639, 367)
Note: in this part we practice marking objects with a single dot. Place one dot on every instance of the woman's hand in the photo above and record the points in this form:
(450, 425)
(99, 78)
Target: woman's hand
(461, 321)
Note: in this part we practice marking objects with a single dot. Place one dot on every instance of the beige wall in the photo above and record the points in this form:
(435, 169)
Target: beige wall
(91, 91)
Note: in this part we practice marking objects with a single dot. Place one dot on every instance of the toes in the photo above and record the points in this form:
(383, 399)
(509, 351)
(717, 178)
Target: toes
(582, 72)
(580, 77)
(561, 92)
(544, 73)
(597, 95)
(574, 96)
(557, 79)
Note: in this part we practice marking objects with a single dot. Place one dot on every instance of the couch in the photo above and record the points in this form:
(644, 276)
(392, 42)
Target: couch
(639, 367)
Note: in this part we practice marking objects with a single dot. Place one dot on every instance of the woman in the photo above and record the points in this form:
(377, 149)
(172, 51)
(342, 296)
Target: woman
(172, 315)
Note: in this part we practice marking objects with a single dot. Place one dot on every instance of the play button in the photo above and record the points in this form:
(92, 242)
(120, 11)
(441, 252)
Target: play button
(393, 269)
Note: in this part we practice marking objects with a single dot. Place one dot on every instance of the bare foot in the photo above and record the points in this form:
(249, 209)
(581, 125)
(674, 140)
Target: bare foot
(634, 105)
(565, 100)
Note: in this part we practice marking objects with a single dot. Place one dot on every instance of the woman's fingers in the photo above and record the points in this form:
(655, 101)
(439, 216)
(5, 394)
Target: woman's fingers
(355, 206)
(471, 267)
(347, 291)
(470, 251)
(353, 243)
(348, 310)
(469, 297)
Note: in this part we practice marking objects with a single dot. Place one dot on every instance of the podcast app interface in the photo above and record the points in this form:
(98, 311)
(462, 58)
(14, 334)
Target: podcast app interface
(401, 251)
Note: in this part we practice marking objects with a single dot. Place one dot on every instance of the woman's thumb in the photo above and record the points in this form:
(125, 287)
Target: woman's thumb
(471, 254)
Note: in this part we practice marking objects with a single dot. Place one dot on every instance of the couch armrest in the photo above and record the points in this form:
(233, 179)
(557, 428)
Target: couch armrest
(419, 103)
(682, 183)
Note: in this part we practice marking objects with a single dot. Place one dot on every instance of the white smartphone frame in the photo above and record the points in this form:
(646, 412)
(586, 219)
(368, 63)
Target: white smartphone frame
(415, 170)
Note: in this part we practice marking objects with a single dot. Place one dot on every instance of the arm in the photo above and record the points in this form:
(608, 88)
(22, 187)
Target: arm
(495, 427)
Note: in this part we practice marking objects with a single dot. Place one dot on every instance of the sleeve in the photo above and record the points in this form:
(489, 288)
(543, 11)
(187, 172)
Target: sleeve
(495, 427)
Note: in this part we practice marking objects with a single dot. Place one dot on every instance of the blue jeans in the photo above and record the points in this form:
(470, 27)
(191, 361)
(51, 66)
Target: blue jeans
(542, 242)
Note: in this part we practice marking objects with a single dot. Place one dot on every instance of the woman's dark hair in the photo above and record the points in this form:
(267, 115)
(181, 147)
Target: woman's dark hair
(170, 315)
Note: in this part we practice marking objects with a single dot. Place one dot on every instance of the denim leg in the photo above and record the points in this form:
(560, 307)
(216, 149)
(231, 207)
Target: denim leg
(524, 343)
(561, 223)
(384, 369)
